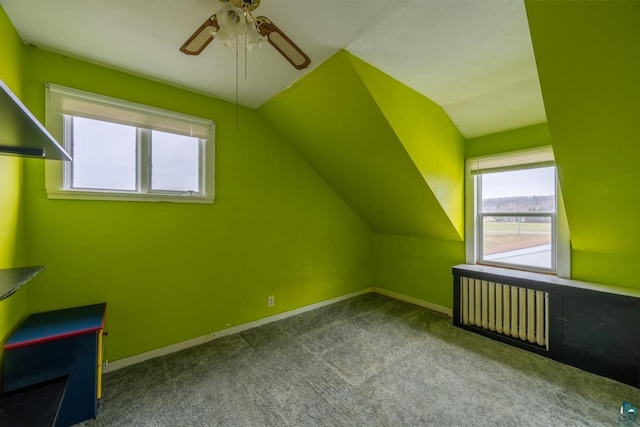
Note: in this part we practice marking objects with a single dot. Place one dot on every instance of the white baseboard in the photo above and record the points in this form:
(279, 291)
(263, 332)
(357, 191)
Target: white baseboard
(163, 351)
(416, 301)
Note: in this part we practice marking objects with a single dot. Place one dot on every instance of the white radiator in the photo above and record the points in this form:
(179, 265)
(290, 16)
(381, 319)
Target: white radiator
(508, 310)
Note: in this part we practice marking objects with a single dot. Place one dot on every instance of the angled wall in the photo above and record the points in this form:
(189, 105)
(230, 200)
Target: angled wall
(588, 63)
(395, 157)
(343, 120)
(430, 138)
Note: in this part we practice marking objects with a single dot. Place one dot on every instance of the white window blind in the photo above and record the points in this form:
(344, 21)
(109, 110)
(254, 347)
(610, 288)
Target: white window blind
(167, 156)
(515, 160)
(72, 102)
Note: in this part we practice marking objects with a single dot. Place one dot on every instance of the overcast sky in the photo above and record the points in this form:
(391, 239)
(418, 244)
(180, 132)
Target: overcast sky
(528, 182)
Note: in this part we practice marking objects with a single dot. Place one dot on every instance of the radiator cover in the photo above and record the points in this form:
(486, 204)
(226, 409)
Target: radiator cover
(508, 310)
(590, 326)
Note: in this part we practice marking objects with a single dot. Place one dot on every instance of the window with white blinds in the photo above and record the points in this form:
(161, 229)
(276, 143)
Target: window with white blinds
(128, 151)
(516, 160)
(515, 209)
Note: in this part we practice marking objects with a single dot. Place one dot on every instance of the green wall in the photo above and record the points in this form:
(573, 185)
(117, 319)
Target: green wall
(421, 267)
(334, 185)
(395, 157)
(588, 61)
(511, 140)
(345, 120)
(170, 272)
(430, 138)
(12, 237)
(418, 267)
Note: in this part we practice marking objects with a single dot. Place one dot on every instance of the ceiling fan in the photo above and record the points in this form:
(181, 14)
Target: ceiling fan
(234, 19)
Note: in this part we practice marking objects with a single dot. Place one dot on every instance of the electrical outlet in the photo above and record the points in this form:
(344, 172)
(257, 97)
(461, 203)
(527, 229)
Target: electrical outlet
(271, 301)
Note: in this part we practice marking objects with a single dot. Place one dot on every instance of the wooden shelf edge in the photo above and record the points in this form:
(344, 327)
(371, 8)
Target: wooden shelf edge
(11, 279)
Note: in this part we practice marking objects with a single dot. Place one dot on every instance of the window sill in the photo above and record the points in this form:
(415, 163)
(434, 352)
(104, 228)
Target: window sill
(126, 197)
(517, 267)
(544, 278)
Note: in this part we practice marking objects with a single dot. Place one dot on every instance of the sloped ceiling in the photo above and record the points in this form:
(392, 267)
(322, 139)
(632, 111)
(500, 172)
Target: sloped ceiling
(473, 58)
(367, 125)
(393, 155)
(589, 62)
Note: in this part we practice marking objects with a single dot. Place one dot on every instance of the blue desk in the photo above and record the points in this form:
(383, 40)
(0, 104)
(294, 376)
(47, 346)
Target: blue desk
(57, 343)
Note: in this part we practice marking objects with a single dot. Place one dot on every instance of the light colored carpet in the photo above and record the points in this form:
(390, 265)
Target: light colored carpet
(367, 361)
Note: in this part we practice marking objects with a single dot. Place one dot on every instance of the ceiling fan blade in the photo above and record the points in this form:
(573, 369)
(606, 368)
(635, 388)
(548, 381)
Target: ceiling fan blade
(282, 43)
(201, 38)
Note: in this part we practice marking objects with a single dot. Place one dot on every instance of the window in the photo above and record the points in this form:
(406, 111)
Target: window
(514, 211)
(126, 151)
(516, 218)
(104, 155)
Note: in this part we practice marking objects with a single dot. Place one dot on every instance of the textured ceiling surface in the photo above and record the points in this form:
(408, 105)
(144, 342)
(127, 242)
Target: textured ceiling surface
(473, 58)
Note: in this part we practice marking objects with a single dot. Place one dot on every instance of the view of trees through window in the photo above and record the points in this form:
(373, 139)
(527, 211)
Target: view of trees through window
(517, 213)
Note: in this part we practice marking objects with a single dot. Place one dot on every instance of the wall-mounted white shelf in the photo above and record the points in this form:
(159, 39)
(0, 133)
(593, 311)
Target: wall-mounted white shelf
(21, 134)
(12, 278)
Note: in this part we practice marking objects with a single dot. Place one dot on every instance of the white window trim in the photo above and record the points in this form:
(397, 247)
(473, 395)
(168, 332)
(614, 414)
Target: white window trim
(562, 236)
(66, 102)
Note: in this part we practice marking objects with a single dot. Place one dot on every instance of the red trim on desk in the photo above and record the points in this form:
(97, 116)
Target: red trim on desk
(41, 338)
(53, 337)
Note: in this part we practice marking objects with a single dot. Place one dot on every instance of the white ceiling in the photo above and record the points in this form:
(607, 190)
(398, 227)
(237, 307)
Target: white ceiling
(472, 57)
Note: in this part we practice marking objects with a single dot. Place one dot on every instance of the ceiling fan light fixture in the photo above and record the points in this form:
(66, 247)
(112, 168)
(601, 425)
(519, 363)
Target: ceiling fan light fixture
(253, 37)
(232, 20)
(226, 39)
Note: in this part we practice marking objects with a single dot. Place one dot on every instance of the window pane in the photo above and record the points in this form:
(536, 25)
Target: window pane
(104, 155)
(529, 190)
(175, 161)
(518, 240)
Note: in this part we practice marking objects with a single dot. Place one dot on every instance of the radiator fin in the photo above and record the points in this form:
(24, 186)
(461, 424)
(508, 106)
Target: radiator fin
(513, 311)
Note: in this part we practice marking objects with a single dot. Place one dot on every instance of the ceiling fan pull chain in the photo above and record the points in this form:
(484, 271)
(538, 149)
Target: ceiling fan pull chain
(245, 55)
(237, 90)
